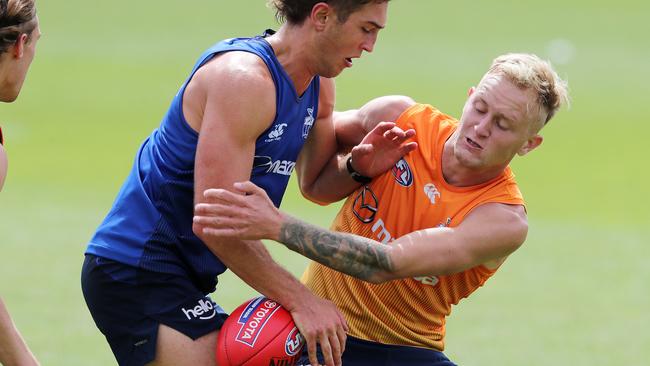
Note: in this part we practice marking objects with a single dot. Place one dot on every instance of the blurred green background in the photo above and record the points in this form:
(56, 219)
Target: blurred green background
(575, 294)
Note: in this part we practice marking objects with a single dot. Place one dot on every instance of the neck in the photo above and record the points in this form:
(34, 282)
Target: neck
(458, 174)
(292, 50)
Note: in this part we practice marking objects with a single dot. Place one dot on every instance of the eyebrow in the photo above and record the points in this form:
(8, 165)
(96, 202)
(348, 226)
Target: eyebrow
(375, 24)
(501, 115)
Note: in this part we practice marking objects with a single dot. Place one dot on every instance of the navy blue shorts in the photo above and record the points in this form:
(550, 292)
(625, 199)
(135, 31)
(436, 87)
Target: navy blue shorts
(128, 304)
(359, 352)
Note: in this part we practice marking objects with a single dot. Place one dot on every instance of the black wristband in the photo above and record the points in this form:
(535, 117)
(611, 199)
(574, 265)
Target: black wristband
(355, 175)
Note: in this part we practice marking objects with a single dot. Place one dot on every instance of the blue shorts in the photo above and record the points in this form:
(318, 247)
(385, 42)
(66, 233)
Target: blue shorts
(128, 304)
(359, 352)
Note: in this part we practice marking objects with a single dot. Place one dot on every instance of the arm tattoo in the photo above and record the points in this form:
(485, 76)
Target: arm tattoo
(351, 254)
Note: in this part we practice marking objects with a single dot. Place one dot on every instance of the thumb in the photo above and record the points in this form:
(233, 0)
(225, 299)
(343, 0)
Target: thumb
(362, 149)
(248, 188)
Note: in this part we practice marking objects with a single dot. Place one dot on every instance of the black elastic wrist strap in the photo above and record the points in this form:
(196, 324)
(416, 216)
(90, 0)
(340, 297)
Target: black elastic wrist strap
(355, 175)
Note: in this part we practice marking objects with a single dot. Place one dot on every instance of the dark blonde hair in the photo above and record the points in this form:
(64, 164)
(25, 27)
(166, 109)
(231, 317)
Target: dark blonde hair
(16, 17)
(296, 11)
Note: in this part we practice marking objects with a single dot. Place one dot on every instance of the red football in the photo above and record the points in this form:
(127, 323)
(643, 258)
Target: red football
(260, 332)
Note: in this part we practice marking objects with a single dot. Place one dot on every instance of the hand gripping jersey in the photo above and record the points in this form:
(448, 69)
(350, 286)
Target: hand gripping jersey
(150, 223)
(413, 196)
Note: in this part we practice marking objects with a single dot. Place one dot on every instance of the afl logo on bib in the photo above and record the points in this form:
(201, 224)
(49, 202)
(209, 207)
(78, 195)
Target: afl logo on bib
(402, 173)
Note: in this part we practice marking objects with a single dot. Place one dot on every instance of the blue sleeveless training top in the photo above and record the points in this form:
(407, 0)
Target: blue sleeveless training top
(150, 223)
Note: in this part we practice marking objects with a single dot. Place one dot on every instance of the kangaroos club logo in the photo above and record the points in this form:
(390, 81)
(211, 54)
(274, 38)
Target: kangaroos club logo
(402, 173)
(309, 122)
(254, 318)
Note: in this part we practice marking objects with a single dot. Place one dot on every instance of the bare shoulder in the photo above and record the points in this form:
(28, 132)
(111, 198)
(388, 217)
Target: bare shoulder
(386, 108)
(507, 218)
(234, 86)
(506, 224)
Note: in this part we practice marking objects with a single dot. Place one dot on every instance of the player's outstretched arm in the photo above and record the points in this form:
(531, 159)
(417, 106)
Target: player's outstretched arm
(13, 349)
(487, 236)
(228, 131)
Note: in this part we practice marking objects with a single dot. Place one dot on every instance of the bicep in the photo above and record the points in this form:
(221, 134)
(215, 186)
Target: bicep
(490, 232)
(229, 127)
(353, 125)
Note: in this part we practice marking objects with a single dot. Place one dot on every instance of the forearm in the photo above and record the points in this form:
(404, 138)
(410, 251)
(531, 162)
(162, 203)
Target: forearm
(251, 262)
(332, 184)
(13, 350)
(354, 255)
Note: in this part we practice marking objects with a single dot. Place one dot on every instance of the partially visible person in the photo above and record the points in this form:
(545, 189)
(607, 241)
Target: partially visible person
(19, 33)
(251, 108)
(418, 239)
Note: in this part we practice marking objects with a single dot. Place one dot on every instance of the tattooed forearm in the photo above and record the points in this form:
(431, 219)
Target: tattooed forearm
(351, 254)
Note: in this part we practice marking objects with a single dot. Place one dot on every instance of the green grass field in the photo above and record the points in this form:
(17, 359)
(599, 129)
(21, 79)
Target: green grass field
(575, 294)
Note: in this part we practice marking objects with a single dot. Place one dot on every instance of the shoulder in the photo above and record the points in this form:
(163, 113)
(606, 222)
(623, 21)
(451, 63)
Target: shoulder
(236, 70)
(510, 220)
(233, 89)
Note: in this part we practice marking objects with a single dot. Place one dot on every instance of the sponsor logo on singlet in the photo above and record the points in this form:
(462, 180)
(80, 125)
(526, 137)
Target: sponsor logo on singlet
(432, 192)
(309, 122)
(266, 164)
(365, 205)
(254, 318)
(402, 173)
(276, 133)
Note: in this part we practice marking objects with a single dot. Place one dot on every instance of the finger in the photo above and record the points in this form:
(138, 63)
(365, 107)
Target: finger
(362, 149)
(382, 127)
(326, 349)
(219, 194)
(390, 135)
(398, 132)
(247, 187)
(335, 344)
(342, 338)
(311, 350)
(218, 222)
(216, 209)
(250, 188)
(407, 148)
(225, 232)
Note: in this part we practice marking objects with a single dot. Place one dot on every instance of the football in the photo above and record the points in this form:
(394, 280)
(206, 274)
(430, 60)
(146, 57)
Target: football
(260, 332)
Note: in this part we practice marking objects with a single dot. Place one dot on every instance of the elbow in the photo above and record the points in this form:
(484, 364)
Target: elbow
(198, 231)
(519, 229)
(380, 277)
(311, 193)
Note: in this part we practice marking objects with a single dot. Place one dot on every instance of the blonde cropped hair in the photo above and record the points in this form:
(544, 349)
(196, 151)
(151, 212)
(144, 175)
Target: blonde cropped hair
(528, 71)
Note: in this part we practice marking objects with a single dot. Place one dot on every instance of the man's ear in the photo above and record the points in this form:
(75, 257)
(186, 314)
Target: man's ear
(321, 13)
(471, 91)
(530, 145)
(19, 46)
